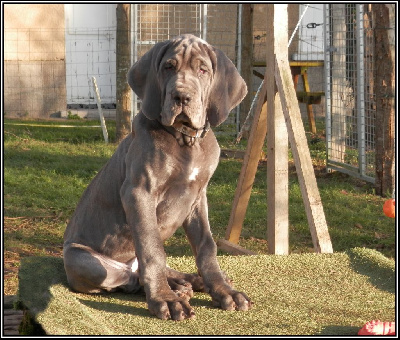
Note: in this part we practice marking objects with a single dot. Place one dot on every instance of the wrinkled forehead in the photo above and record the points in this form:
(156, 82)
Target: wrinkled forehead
(188, 50)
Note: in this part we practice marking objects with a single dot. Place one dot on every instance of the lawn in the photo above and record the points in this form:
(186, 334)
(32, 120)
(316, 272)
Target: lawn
(47, 167)
(314, 294)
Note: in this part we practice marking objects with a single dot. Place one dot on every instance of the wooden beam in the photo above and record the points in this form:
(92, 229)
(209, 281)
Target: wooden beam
(234, 249)
(249, 168)
(293, 63)
(277, 138)
(301, 154)
(310, 113)
(246, 59)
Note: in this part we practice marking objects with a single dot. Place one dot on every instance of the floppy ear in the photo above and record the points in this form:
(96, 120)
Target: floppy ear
(227, 91)
(142, 78)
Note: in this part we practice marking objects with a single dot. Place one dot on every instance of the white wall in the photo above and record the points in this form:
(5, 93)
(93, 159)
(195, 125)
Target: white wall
(90, 45)
(311, 40)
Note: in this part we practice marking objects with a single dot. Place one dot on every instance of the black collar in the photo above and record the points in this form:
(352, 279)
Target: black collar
(186, 135)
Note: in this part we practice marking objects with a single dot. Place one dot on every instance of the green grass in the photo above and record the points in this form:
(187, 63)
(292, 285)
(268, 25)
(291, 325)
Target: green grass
(328, 294)
(47, 168)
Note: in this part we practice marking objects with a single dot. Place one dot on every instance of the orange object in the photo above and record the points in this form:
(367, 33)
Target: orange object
(389, 207)
(377, 327)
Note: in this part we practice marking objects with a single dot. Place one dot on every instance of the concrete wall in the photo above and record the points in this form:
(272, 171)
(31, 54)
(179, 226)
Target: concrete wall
(34, 60)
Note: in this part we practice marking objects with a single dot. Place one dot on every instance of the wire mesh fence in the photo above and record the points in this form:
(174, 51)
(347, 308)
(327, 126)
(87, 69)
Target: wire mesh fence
(90, 53)
(351, 103)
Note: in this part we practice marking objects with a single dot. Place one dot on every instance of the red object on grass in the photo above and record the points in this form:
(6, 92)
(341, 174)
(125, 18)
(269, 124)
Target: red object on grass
(377, 327)
(389, 208)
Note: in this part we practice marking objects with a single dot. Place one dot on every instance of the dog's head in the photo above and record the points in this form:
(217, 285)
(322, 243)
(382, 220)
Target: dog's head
(186, 80)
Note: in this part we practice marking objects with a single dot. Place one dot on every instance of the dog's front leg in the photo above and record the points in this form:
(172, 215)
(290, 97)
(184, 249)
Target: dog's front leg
(140, 212)
(198, 231)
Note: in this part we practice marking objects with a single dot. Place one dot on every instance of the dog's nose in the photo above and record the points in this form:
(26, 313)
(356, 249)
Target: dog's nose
(181, 98)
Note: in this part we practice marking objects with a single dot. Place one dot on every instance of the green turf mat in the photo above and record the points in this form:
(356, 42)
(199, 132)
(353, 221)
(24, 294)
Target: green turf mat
(327, 294)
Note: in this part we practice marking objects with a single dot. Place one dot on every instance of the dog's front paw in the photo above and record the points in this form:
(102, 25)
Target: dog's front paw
(181, 288)
(231, 300)
(172, 307)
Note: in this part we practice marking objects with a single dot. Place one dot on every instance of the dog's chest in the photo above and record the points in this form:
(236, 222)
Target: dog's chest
(193, 173)
(182, 189)
(181, 193)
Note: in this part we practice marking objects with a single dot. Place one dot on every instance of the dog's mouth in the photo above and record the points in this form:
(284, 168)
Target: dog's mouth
(184, 131)
(183, 119)
(178, 118)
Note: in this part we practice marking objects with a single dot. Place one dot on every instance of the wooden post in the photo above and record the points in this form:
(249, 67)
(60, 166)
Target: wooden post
(301, 154)
(249, 168)
(123, 60)
(310, 113)
(277, 138)
(247, 60)
(101, 116)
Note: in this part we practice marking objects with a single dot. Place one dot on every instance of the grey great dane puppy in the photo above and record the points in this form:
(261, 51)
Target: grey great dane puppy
(156, 182)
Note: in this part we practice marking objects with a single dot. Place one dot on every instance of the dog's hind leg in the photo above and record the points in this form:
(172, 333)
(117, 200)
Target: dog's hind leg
(90, 272)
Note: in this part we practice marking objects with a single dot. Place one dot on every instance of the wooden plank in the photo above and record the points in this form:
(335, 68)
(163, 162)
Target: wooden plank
(278, 184)
(294, 63)
(277, 139)
(101, 116)
(301, 154)
(310, 112)
(233, 249)
(249, 168)
(305, 63)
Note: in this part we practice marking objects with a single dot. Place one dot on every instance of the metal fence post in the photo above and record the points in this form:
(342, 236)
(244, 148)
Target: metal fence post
(327, 89)
(203, 30)
(360, 89)
(134, 23)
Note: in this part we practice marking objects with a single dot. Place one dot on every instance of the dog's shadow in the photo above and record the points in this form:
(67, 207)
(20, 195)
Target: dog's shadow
(115, 307)
(124, 303)
(39, 273)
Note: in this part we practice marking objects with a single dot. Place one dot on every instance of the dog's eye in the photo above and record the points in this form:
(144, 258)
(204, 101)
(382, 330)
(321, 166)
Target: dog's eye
(202, 70)
(170, 65)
